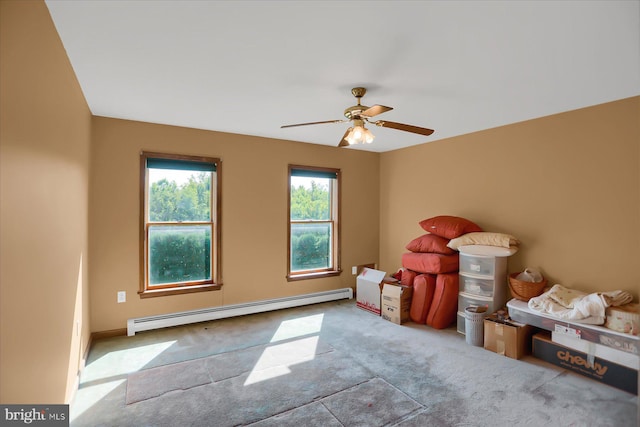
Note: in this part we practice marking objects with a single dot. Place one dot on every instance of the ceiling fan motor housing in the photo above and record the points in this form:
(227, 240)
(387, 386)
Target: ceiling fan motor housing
(355, 111)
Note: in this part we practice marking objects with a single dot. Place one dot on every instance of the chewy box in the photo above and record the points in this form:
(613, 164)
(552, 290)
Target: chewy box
(369, 289)
(509, 339)
(602, 351)
(596, 368)
(396, 302)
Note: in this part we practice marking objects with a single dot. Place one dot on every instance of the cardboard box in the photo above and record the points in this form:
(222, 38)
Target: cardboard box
(593, 367)
(598, 350)
(396, 302)
(509, 339)
(369, 290)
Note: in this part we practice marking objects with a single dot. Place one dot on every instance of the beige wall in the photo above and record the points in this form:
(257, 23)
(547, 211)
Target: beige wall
(567, 185)
(44, 179)
(254, 215)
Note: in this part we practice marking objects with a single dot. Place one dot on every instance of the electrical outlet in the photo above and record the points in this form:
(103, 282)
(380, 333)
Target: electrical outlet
(354, 270)
(122, 296)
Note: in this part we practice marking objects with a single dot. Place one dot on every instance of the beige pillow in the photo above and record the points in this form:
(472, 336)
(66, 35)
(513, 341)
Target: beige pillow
(484, 238)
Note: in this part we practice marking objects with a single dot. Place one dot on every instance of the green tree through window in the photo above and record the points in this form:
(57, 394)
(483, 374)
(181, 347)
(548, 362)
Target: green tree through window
(310, 203)
(190, 201)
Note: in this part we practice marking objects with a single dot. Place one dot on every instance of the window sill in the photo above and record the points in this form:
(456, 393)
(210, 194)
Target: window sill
(179, 290)
(318, 275)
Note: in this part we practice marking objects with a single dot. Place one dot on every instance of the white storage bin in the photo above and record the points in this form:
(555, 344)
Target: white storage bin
(481, 266)
(476, 286)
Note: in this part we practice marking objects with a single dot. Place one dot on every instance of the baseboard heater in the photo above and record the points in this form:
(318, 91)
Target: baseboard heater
(185, 317)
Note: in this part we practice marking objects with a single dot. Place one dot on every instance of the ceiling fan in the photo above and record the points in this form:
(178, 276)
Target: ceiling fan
(359, 114)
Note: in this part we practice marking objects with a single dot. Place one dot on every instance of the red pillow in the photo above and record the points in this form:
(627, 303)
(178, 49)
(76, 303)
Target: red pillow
(430, 243)
(431, 263)
(407, 277)
(449, 227)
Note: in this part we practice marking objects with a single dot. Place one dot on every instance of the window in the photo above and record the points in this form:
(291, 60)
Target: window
(180, 224)
(314, 222)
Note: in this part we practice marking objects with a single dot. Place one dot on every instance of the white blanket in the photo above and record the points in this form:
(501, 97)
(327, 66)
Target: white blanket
(572, 305)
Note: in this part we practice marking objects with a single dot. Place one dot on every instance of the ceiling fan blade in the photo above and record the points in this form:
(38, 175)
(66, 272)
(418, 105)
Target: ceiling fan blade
(343, 141)
(406, 128)
(313, 123)
(375, 110)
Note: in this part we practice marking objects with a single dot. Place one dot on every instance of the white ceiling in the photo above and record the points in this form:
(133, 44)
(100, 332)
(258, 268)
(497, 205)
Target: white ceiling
(249, 67)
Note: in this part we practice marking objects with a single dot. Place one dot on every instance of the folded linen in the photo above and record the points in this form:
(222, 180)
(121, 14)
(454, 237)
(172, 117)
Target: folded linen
(576, 306)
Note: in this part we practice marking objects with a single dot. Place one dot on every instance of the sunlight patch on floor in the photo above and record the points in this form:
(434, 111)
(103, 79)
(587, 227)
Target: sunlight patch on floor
(277, 359)
(105, 374)
(122, 362)
(298, 327)
(86, 397)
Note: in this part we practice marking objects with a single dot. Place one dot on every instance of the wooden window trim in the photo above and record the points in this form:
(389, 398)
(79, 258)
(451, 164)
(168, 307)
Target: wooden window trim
(216, 233)
(152, 293)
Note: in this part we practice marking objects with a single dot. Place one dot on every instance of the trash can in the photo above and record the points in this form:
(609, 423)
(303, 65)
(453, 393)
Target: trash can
(474, 325)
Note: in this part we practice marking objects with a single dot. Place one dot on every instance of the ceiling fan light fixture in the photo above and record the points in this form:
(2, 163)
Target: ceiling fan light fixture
(368, 136)
(359, 135)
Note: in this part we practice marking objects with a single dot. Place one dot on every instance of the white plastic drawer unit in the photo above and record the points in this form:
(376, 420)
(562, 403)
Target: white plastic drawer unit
(477, 286)
(482, 266)
(466, 300)
(483, 279)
